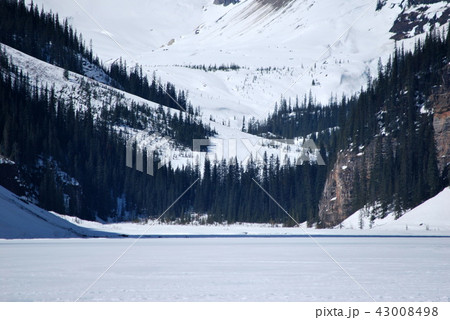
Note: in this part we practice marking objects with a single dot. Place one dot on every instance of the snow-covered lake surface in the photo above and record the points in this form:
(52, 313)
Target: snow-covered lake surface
(390, 269)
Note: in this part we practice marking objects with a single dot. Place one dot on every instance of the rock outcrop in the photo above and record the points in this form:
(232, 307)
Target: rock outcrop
(225, 2)
(440, 103)
(415, 20)
(337, 199)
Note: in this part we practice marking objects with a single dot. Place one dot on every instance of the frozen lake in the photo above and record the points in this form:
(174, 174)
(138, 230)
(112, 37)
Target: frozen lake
(234, 269)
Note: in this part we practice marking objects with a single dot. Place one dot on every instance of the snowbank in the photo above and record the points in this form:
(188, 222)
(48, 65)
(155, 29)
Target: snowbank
(20, 219)
(432, 215)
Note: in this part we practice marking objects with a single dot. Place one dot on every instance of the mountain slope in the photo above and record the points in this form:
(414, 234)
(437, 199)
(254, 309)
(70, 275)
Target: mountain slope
(432, 215)
(84, 124)
(85, 93)
(81, 129)
(328, 47)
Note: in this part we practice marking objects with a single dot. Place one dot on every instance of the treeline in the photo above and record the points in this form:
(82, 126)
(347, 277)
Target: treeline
(214, 68)
(43, 36)
(136, 82)
(182, 127)
(230, 192)
(305, 118)
(37, 127)
(393, 113)
(49, 139)
(301, 118)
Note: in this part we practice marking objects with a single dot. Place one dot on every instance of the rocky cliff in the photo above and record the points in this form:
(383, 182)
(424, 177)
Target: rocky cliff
(440, 102)
(354, 164)
(225, 2)
(416, 18)
(337, 199)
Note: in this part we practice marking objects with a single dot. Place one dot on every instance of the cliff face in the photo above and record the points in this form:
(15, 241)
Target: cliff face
(338, 195)
(440, 103)
(336, 198)
(416, 17)
(225, 2)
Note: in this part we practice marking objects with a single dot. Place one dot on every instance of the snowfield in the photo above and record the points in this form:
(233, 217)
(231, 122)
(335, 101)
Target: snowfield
(20, 219)
(335, 43)
(229, 142)
(433, 214)
(226, 270)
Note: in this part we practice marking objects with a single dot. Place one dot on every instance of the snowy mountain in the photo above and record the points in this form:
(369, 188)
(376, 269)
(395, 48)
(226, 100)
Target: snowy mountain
(281, 48)
(366, 202)
(235, 59)
(82, 91)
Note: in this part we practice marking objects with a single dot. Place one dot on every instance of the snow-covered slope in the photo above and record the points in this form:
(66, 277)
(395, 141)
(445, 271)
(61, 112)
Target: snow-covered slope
(230, 142)
(20, 219)
(335, 43)
(432, 215)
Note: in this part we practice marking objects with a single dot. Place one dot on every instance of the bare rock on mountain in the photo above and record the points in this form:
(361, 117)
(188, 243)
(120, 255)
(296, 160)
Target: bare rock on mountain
(440, 102)
(225, 2)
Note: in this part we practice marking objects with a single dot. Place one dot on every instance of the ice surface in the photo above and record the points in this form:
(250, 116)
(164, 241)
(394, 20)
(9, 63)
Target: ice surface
(226, 270)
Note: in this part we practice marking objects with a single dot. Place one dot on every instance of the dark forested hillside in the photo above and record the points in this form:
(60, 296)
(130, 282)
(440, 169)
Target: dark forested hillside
(394, 113)
(42, 35)
(74, 162)
(48, 139)
(394, 117)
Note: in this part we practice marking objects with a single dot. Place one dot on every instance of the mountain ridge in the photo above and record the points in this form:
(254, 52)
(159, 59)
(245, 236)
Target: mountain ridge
(386, 119)
(334, 45)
